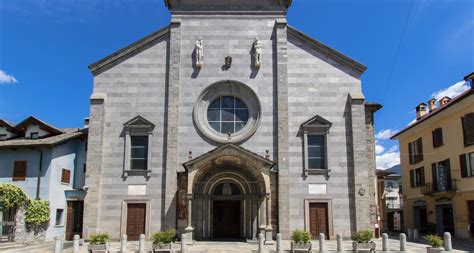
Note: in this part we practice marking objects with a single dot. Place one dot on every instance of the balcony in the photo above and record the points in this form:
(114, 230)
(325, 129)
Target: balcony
(439, 187)
(394, 206)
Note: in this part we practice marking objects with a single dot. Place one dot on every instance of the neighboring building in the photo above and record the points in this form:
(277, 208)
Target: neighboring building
(390, 199)
(48, 163)
(203, 127)
(438, 170)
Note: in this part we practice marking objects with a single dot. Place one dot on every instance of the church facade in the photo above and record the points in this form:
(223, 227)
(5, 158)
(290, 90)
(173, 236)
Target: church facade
(228, 123)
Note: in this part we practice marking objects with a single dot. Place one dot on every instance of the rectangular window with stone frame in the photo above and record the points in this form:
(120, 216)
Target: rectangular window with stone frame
(139, 152)
(315, 142)
(138, 138)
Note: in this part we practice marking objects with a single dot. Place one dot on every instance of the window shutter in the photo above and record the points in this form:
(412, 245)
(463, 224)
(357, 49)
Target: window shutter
(410, 152)
(435, 178)
(419, 149)
(412, 178)
(19, 171)
(447, 166)
(422, 176)
(463, 164)
(468, 128)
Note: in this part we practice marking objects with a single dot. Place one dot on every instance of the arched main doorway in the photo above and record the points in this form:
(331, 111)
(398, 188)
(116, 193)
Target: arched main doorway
(229, 195)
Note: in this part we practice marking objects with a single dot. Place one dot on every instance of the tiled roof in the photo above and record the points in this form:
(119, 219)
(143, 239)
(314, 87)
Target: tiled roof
(69, 133)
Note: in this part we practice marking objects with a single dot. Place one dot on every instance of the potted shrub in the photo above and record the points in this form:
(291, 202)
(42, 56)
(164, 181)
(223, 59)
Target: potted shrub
(163, 239)
(362, 241)
(98, 242)
(300, 241)
(435, 242)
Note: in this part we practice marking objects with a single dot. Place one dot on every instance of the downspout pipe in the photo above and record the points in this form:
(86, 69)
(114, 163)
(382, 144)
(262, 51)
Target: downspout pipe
(40, 170)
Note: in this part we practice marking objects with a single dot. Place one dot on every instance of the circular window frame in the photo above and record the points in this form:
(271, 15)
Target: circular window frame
(232, 89)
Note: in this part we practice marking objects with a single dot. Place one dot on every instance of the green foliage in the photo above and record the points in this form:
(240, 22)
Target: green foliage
(363, 236)
(11, 195)
(299, 236)
(99, 238)
(164, 236)
(37, 212)
(434, 240)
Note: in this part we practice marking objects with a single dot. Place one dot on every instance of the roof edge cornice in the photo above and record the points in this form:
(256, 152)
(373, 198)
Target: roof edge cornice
(343, 59)
(117, 55)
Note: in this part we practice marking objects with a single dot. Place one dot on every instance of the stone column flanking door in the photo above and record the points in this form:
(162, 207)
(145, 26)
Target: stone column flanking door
(268, 219)
(189, 229)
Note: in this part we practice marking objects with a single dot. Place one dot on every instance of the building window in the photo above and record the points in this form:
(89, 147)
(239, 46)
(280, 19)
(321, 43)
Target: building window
(139, 152)
(59, 217)
(441, 173)
(65, 176)
(227, 115)
(34, 135)
(467, 164)
(468, 128)
(437, 137)
(3, 137)
(19, 170)
(417, 177)
(316, 152)
(84, 168)
(415, 151)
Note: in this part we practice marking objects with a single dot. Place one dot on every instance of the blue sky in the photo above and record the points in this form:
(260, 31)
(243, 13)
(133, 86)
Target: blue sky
(46, 46)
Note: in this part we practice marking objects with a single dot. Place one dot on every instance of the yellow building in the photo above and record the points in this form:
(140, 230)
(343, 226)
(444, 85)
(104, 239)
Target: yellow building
(437, 160)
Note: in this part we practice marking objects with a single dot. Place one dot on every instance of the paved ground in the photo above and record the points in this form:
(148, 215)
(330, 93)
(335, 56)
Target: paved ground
(244, 247)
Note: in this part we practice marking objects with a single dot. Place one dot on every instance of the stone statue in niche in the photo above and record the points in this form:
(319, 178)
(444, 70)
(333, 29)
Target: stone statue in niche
(199, 49)
(257, 53)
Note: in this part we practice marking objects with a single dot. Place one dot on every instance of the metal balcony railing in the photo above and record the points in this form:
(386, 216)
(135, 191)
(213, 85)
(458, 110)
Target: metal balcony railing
(394, 206)
(439, 187)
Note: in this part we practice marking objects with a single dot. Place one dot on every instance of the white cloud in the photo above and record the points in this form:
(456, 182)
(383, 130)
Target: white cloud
(411, 122)
(452, 91)
(6, 78)
(388, 160)
(385, 134)
(379, 149)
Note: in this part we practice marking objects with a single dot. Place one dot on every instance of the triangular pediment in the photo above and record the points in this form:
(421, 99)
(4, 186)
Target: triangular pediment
(229, 154)
(139, 122)
(28, 122)
(317, 121)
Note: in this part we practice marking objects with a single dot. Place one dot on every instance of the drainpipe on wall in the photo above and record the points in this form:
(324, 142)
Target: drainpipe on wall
(40, 170)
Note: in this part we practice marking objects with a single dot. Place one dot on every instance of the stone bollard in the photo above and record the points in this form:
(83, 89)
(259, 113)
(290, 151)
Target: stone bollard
(184, 238)
(260, 243)
(409, 234)
(415, 235)
(123, 243)
(75, 247)
(385, 242)
(403, 242)
(322, 245)
(448, 246)
(339, 242)
(278, 244)
(141, 244)
(58, 245)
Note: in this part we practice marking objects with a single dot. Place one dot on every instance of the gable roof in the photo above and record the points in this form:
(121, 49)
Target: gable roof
(32, 120)
(326, 50)
(10, 126)
(316, 121)
(135, 47)
(50, 141)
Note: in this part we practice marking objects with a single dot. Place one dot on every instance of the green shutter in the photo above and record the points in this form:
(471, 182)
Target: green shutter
(463, 164)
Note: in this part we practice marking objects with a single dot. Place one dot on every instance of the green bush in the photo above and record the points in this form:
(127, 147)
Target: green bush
(11, 195)
(299, 236)
(164, 237)
(363, 236)
(37, 212)
(98, 238)
(434, 240)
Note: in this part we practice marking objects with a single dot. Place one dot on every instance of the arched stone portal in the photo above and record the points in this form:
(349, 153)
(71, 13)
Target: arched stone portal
(229, 195)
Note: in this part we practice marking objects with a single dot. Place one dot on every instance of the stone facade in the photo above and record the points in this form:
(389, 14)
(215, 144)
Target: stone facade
(298, 78)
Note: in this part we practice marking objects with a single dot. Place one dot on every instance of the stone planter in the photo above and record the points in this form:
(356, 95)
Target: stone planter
(434, 250)
(301, 247)
(363, 247)
(99, 248)
(160, 247)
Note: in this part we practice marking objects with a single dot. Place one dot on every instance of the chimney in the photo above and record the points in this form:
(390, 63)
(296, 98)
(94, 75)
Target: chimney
(86, 122)
(420, 111)
(470, 78)
(432, 104)
(443, 101)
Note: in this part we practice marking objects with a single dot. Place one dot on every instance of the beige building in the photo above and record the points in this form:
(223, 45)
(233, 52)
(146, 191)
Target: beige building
(390, 200)
(437, 159)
